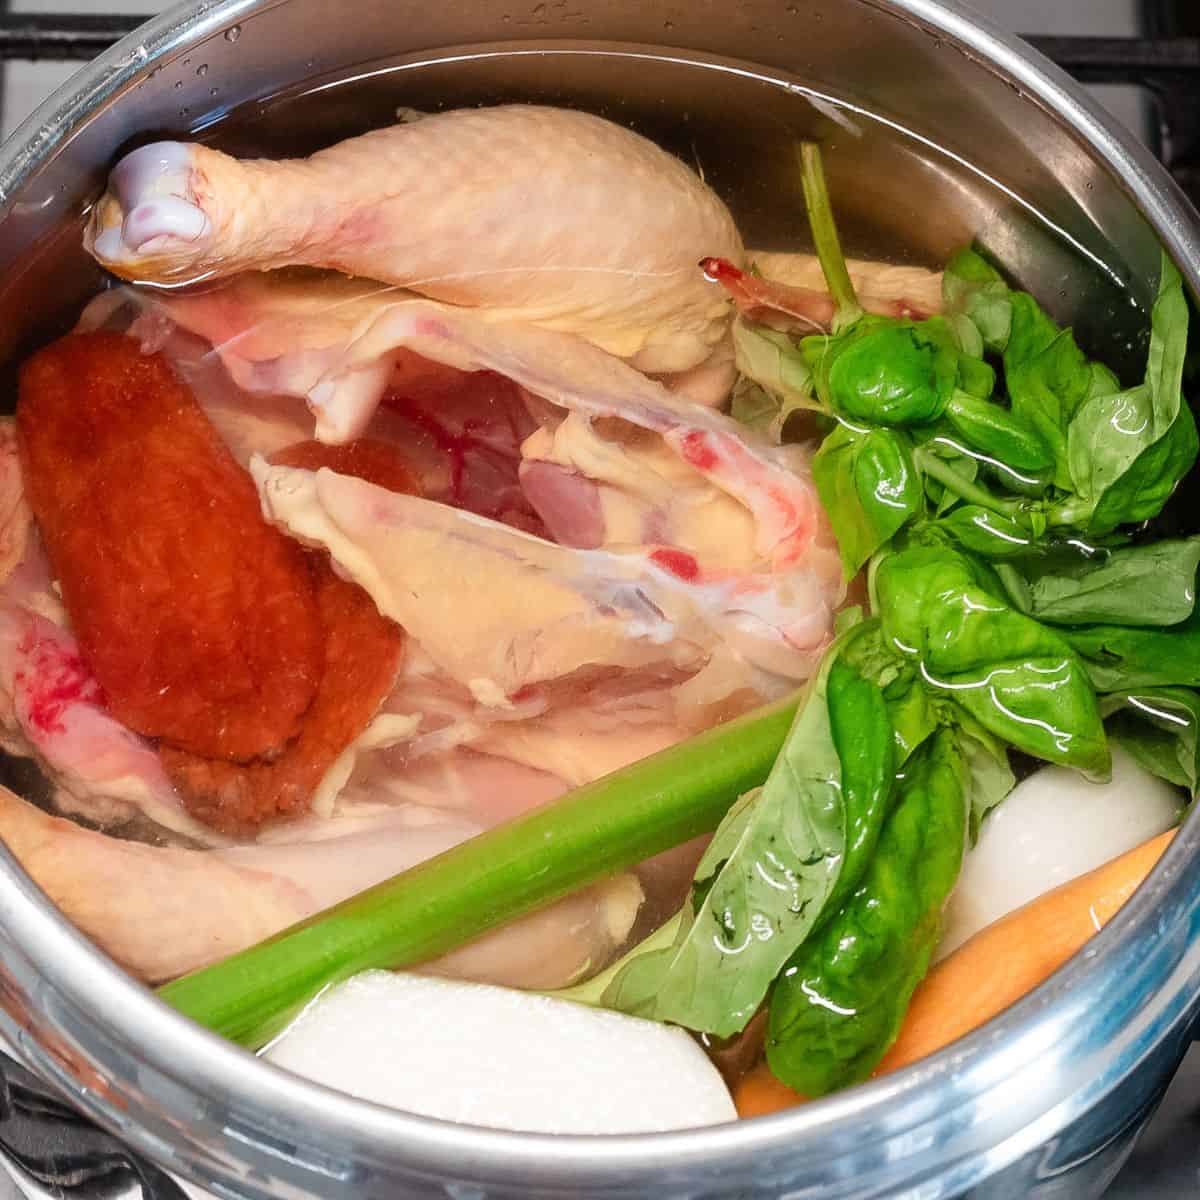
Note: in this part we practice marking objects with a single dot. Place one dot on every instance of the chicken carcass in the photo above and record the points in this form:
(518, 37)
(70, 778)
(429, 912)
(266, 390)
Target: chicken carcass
(731, 516)
(535, 214)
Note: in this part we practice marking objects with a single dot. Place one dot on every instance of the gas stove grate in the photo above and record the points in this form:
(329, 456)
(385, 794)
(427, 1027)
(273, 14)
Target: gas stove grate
(1167, 66)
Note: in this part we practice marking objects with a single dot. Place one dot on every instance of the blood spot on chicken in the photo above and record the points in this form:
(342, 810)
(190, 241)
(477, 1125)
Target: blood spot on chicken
(54, 679)
(680, 563)
(697, 451)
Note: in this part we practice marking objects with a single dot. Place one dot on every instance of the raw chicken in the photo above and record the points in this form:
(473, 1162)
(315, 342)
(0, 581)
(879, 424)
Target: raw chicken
(731, 520)
(547, 611)
(323, 339)
(536, 214)
(882, 287)
(163, 911)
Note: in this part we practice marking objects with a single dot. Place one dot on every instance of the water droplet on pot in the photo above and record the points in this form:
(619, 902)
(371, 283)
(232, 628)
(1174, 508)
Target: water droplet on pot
(178, 84)
(202, 70)
(212, 91)
(233, 33)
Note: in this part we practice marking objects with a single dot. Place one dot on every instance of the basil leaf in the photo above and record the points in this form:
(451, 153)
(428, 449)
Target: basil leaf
(1158, 727)
(1153, 476)
(998, 434)
(862, 735)
(992, 777)
(770, 870)
(1032, 332)
(772, 360)
(753, 406)
(992, 535)
(1153, 584)
(1128, 450)
(840, 1000)
(1048, 385)
(913, 711)
(1018, 679)
(973, 287)
(1119, 658)
(883, 373)
(895, 373)
(869, 488)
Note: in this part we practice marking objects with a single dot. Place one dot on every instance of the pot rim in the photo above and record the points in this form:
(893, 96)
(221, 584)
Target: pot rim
(76, 971)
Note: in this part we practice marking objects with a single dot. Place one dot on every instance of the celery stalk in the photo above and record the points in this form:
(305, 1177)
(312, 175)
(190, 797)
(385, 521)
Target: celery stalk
(591, 833)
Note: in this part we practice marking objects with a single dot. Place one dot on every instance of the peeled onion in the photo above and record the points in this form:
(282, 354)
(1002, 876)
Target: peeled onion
(485, 1055)
(1054, 826)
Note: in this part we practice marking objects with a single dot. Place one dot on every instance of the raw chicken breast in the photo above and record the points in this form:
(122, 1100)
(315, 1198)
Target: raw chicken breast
(538, 214)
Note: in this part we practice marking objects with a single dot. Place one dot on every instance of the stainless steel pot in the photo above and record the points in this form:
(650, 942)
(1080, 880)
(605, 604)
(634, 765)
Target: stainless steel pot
(944, 129)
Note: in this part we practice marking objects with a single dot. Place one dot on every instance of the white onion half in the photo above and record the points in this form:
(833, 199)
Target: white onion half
(1055, 825)
(485, 1055)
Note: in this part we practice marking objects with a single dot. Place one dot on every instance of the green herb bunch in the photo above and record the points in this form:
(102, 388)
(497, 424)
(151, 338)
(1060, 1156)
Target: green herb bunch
(991, 480)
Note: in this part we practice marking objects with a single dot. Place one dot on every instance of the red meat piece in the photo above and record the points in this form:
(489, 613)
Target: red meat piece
(362, 657)
(198, 619)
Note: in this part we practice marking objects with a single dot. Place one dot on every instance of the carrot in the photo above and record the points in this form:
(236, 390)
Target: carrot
(991, 971)
(1009, 958)
(759, 1093)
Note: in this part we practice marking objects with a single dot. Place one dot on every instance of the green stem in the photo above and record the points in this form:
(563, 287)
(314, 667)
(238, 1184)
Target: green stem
(825, 236)
(1073, 512)
(965, 489)
(591, 833)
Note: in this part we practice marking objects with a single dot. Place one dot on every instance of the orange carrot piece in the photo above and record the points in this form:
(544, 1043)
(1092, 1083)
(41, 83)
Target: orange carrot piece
(760, 1093)
(992, 971)
(1009, 958)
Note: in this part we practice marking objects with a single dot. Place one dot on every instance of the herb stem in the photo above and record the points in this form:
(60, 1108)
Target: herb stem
(965, 489)
(825, 235)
